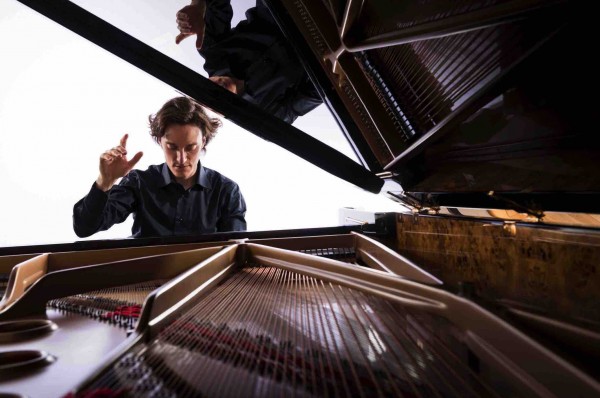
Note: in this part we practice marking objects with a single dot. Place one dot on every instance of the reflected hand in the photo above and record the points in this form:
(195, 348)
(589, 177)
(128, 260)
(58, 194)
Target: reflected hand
(190, 21)
(114, 165)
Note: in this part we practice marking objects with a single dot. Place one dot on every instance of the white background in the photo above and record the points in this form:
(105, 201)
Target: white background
(63, 101)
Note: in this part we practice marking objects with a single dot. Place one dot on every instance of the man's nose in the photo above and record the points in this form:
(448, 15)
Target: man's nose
(181, 156)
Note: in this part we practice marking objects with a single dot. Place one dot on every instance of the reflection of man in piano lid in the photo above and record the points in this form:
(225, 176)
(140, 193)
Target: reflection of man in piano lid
(178, 197)
(253, 59)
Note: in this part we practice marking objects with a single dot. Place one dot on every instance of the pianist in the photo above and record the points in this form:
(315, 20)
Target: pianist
(252, 60)
(178, 197)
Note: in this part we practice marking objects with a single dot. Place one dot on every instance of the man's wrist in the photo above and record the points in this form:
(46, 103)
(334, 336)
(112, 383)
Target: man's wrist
(104, 185)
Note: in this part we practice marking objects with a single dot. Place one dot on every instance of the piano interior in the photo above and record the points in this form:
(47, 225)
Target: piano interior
(487, 286)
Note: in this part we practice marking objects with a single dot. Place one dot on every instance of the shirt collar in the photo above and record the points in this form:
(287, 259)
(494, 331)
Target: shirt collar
(166, 177)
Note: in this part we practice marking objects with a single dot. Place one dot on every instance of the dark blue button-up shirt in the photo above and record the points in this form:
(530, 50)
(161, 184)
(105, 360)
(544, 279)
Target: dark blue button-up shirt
(161, 206)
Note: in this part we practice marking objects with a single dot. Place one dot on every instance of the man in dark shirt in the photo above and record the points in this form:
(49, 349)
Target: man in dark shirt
(178, 197)
(253, 59)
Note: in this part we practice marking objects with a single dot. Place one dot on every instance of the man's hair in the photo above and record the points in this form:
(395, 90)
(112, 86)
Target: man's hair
(183, 110)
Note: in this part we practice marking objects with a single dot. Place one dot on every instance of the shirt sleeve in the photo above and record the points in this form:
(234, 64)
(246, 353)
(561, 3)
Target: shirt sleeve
(99, 210)
(233, 211)
(296, 102)
(217, 21)
(307, 97)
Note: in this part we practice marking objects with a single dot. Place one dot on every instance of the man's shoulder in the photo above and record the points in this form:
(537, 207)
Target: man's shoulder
(218, 180)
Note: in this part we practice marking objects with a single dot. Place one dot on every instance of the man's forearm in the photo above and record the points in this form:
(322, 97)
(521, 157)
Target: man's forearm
(88, 212)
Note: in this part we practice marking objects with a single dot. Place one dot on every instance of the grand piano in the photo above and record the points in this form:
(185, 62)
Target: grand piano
(488, 286)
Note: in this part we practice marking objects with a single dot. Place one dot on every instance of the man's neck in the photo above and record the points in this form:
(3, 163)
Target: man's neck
(189, 182)
(186, 183)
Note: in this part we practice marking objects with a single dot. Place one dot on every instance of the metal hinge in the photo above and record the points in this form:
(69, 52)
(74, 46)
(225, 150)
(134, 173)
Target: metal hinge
(538, 214)
(415, 205)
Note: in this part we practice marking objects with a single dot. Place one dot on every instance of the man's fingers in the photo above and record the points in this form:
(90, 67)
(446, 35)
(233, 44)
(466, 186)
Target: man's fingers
(120, 149)
(182, 16)
(185, 28)
(136, 158)
(124, 140)
(115, 152)
(180, 37)
(183, 24)
(199, 40)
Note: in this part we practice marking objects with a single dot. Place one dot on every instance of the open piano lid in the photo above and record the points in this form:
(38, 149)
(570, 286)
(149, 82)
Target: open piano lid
(458, 104)
(465, 104)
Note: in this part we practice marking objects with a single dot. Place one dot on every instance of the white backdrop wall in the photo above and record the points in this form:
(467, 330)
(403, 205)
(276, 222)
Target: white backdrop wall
(63, 101)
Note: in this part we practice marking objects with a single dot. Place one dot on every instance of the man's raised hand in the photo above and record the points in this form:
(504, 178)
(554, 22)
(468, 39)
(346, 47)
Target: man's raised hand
(114, 164)
(190, 21)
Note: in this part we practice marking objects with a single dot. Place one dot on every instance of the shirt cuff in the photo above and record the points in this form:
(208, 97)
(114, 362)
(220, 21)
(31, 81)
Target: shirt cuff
(96, 199)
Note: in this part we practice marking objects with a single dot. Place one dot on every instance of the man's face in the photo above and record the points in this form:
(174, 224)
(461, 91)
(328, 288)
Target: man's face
(181, 145)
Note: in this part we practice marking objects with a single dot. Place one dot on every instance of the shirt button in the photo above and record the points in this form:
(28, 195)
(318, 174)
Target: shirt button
(179, 219)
